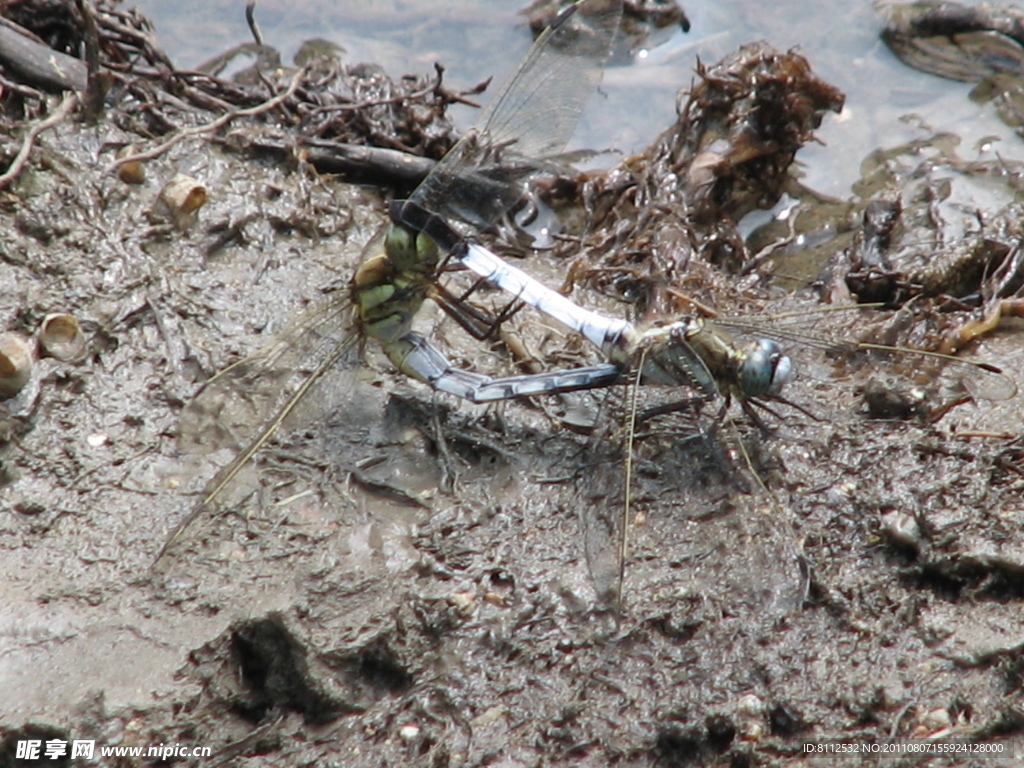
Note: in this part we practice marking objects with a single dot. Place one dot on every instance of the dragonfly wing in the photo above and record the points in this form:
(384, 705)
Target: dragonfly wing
(601, 517)
(244, 405)
(981, 380)
(232, 407)
(697, 523)
(539, 108)
(532, 117)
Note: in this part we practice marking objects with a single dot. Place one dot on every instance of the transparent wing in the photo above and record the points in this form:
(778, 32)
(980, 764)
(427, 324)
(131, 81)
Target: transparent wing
(231, 408)
(532, 117)
(244, 405)
(604, 520)
(688, 494)
(980, 379)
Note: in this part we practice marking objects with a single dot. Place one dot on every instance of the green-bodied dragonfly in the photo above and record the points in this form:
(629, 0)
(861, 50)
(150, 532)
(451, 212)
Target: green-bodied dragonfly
(530, 119)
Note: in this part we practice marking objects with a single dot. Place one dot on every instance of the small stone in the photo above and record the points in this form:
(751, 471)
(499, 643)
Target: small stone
(901, 528)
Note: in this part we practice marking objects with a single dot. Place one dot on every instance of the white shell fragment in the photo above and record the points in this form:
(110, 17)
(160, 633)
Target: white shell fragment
(750, 718)
(464, 602)
(15, 364)
(184, 196)
(60, 336)
(408, 732)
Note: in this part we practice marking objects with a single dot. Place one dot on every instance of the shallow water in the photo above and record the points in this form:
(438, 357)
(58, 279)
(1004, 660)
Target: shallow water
(887, 102)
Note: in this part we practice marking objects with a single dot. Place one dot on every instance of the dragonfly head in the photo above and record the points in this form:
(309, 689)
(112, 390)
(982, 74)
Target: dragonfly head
(765, 370)
(410, 251)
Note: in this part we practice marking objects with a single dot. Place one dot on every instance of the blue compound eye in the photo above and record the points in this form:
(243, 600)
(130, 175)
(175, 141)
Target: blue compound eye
(765, 370)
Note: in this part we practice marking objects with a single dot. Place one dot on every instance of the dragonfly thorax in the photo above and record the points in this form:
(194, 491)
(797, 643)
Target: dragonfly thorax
(684, 352)
(764, 370)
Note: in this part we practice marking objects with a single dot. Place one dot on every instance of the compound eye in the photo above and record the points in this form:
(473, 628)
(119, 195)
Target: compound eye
(409, 250)
(765, 371)
(426, 249)
(399, 243)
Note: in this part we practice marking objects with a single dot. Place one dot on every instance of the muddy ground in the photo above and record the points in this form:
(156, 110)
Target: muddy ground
(408, 580)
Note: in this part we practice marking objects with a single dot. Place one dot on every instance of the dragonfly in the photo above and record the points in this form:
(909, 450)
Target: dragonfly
(685, 351)
(688, 351)
(530, 120)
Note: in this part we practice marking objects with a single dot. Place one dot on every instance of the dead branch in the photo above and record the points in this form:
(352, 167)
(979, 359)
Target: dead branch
(37, 62)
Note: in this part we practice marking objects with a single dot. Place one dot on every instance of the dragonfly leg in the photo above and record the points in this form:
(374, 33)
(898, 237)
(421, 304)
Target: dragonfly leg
(686, 404)
(477, 322)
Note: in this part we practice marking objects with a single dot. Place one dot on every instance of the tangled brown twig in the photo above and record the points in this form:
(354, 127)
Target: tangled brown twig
(214, 125)
(67, 106)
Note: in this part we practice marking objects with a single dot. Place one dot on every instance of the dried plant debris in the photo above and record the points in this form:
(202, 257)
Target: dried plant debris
(326, 112)
(922, 237)
(729, 152)
(639, 17)
(741, 128)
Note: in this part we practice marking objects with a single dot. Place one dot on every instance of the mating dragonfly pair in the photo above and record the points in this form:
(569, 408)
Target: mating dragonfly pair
(531, 118)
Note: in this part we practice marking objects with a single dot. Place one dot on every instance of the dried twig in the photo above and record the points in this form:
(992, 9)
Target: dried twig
(21, 89)
(250, 17)
(399, 99)
(17, 165)
(216, 125)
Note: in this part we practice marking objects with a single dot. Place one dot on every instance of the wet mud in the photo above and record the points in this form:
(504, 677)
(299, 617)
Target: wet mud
(402, 579)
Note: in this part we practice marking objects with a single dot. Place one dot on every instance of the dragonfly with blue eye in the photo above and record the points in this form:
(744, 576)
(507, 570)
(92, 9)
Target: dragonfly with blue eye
(681, 352)
(687, 350)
